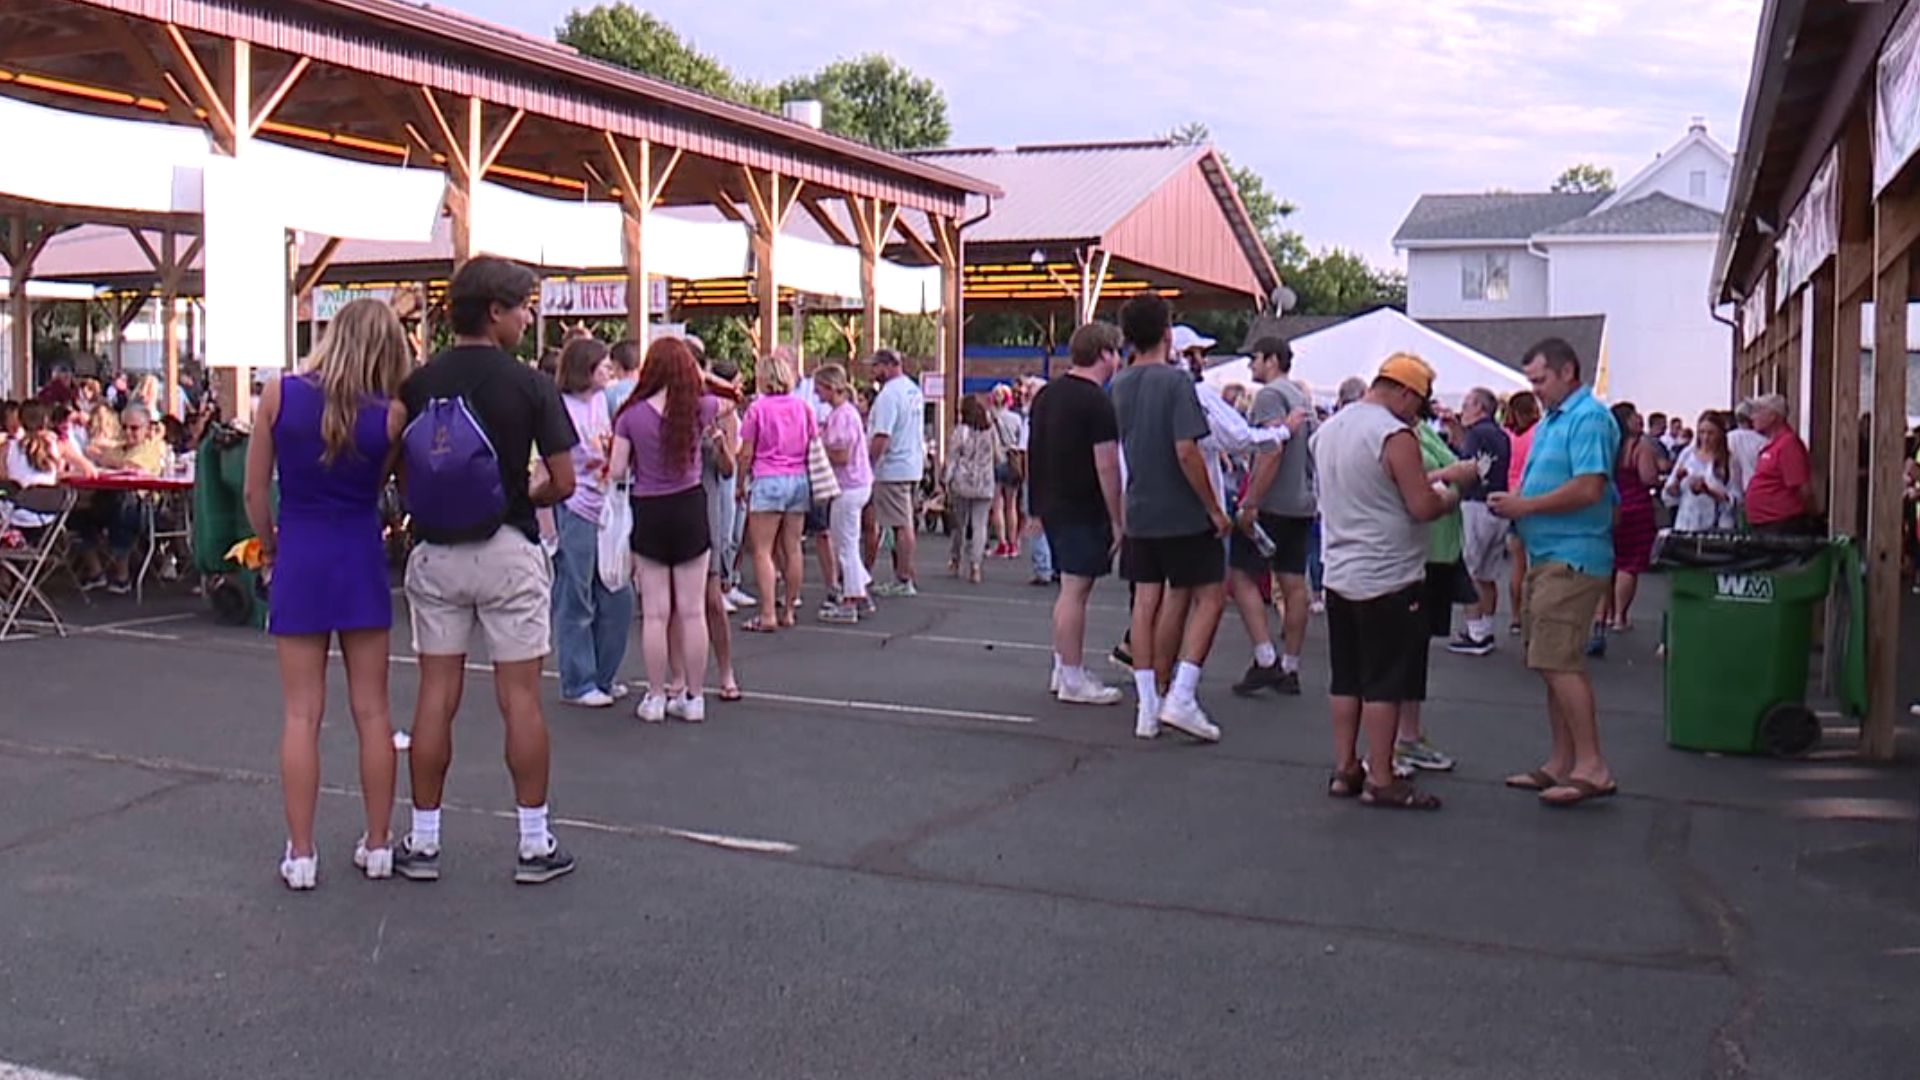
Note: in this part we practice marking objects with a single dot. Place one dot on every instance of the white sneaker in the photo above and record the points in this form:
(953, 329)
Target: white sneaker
(691, 710)
(729, 606)
(1146, 724)
(1053, 683)
(376, 863)
(1185, 714)
(402, 741)
(652, 709)
(592, 699)
(739, 599)
(621, 691)
(1087, 690)
(302, 873)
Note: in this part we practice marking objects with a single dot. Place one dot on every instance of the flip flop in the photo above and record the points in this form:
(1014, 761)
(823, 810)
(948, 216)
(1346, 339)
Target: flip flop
(730, 693)
(756, 626)
(1536, 780)
(1584, 791)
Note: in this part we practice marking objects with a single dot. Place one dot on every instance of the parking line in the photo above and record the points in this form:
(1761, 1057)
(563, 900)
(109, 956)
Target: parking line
(887, 707)
(10, 1071)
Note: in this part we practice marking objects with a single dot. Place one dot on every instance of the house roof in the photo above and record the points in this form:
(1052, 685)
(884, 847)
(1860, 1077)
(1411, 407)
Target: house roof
(1697, 135)
(1499, 216)
(1505, 340)
(1658, 214)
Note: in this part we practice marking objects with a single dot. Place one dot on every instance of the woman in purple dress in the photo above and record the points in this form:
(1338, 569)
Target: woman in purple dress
(331, 432)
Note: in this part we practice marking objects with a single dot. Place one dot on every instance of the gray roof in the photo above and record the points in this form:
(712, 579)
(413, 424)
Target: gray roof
(1503, 216)
(1075, 192)
(1659, 214)
(1505, 340)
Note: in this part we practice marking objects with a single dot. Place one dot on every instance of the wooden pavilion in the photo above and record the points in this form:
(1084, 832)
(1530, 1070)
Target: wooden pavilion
(1824, 217)
(389, 82)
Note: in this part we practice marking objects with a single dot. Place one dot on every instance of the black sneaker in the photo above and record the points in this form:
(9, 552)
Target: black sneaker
(1465, 644)
(540, 869)
(1121, 656)
(415, 865)
(1268, 677)
(1288, 684)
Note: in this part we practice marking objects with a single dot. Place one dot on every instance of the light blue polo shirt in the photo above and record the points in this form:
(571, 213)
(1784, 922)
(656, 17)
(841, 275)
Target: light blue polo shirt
(1580, 438)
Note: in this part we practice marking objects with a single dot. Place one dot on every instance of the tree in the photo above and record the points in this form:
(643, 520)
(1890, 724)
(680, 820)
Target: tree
(1339, 282)
(621, 34)
(1584, 179)
(876, 101)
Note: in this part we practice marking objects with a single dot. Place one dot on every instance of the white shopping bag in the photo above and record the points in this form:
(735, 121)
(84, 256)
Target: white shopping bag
(616, 531)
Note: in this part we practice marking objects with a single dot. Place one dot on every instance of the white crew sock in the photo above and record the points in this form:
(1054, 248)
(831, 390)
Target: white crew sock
(426, 831)
(1479, 629)
(1186, 681)
(534, 836)
(1290, 664)
(1058, 667)
(1265, 654)
(1073, 676)
(1144, 684)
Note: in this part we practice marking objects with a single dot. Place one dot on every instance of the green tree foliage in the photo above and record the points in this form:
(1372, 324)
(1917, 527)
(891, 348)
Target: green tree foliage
(1584, 179)
(622, 34)
(876, 101)
(1337, 282)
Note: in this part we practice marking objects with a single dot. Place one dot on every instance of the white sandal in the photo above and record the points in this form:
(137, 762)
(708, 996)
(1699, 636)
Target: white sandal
(302, 873)
(376, 863)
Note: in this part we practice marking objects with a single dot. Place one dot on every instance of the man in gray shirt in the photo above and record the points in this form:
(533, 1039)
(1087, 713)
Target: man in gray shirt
(1172, 551)
(1280, 497)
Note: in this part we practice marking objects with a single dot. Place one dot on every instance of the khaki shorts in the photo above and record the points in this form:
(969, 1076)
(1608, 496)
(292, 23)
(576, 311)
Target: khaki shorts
(892, 505)
(1483, 542)
(1556, 619)
(503, 586)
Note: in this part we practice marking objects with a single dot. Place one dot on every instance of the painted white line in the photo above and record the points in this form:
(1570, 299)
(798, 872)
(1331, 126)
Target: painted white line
(931, 639)
(10, 1071)
(43, 629)
(1007, 601)
(887, 707)
(719, 840)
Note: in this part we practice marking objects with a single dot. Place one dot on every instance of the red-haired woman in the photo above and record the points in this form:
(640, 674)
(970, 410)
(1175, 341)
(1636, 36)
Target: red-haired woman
(656, 442)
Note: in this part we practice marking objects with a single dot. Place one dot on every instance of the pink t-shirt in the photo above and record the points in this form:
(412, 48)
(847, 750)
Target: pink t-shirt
(645, 430)
(779, 426)
(846, 431)
(1517, 466)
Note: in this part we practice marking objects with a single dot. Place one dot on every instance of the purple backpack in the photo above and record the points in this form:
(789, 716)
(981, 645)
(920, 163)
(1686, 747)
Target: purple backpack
(452, 472)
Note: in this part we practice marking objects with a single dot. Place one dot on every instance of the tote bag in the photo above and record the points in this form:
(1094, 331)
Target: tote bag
(826, 486)
(613, 556)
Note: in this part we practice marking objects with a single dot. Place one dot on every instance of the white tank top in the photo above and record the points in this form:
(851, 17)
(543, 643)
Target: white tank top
(1370, 545)
(22, 472)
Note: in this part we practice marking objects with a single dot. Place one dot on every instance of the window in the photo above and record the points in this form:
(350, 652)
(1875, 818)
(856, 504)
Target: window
(1697, 184)
(1484, 276)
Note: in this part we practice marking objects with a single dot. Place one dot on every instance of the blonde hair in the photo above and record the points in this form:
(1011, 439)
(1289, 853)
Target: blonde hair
(103, 427)
(362, 356)
(830, 377)
(774, 374)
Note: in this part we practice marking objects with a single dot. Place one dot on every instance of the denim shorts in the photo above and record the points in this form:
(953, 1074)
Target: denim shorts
(780, 495)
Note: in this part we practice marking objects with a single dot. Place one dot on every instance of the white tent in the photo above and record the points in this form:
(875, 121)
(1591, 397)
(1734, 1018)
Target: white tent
(1326, 358)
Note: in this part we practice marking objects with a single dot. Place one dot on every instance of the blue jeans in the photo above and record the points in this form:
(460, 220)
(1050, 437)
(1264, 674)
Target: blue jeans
(1042, 550)
(590, 624)
(723, 512)
(1315, 568)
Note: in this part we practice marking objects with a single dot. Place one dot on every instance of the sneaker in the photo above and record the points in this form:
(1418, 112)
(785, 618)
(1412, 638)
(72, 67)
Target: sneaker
(376, 863)
(652, 709)
(729, 606)
(1146, 723)
(1053, 681)
(170, 570)
(901, 589)
(1513, 629)
(620, 691)
(1086, 690)
(1041, 581)
(415, 864)
(739, 599)
(1259, 678)
(1288, 684)
(592, 699)
(540, 868)
(119, 588)
(94, 584)
(866, 606)
(1185, 714)
(1597, 644)
(840, 614)
(687, 709)
(1465, 644)
(1422, 755)
(402, 741)
(302, 873)
(1122, 658)
(1317, 607)
(1402, 770)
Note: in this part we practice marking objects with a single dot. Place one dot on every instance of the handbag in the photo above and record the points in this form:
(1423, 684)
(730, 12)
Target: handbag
(826, 486)
(612, 557)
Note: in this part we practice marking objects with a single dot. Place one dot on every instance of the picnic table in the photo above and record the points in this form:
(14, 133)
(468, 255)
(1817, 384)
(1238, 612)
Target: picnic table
(151, 491)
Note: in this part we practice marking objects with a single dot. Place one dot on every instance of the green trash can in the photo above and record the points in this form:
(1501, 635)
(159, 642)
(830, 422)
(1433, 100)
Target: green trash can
(1739, 641)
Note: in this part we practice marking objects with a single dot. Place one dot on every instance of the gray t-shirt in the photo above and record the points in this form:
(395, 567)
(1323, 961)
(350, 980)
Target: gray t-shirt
(1369, 544)
(1292, 492)
(1157, 407)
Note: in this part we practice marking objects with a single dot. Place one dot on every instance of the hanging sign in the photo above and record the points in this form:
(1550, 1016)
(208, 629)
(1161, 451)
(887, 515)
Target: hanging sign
(1812, 235)
(596, 297)
(1896, 116)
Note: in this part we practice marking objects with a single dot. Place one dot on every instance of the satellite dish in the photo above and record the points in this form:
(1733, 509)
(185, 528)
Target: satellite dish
(1284, 299)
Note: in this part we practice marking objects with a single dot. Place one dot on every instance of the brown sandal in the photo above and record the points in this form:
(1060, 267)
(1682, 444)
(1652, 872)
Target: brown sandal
(1398, 795)
(1534, 780)
(1347, 785)
(1583, 791)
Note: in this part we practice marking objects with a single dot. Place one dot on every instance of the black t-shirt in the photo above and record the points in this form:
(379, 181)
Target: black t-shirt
(519, 408)
(1070, 417)
(1487, 437)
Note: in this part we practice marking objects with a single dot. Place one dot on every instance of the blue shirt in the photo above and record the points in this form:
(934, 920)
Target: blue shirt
(899, 413)
(1577, 439)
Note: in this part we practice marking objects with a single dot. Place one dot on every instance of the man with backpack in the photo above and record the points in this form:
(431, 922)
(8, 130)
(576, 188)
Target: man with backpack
(475, 416)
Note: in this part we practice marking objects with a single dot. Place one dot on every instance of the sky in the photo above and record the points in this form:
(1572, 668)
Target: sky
(1350, 108)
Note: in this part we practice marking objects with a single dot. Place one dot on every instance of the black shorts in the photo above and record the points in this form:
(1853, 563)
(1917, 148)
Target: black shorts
(819, 519)
(1243, 556)
(1447, 584)
(671, 529)
(1183, 562)
(1292, 540)
(1081, 549)
(1378, 647)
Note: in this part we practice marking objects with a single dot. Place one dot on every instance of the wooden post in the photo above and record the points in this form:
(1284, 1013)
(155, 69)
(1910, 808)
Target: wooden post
(1896, 215)
(873, 221)
(771, 197)
(1820, 415)
(947, 243)
(24, 244)
(169, 302)
(1852, 279)
(643, 177)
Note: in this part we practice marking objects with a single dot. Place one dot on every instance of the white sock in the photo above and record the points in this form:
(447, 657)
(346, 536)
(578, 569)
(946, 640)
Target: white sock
(1480, 629)
(1264, 654)
(534, 836)
(426, 830)
(1143, 682)
(1072, 676)
(1290, 664)
(1186, 681)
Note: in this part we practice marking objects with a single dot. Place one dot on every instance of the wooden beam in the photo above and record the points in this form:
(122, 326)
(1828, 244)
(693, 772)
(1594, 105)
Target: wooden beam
(728, 209)
(1897, 221)
(135, 51)
(920, 247)
(827, 225)
(662, 170)
(374, 97)
(499, 141)
(277, 95)
(450, 145)
(953, 289)
(169, 299)
(305, 280)
(202, 90)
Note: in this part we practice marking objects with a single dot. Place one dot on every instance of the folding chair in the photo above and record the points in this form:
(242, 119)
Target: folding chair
(29, 567)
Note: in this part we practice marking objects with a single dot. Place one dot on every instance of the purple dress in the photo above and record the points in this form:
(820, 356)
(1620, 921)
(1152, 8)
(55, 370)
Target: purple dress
(331, 572)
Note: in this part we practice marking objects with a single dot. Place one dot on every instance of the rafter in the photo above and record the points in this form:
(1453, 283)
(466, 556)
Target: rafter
(265, 110)
(452, 147)
(135, 51)
(201, 87)
(920, 247)
(310, 277)
(825, 220)
(499, 143)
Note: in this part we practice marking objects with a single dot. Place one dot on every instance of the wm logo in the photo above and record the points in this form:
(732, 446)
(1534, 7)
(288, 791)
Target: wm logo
(1746, 588)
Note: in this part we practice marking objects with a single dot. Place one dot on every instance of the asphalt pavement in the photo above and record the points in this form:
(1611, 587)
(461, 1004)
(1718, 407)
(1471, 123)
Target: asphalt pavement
(899, 858)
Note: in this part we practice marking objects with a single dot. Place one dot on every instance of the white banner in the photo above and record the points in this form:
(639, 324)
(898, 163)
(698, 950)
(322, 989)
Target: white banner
(1896, 116)
(1812, 235)
(585, 298)
(246, 270)
(335, 197)
(72, 159)
(1753, 314)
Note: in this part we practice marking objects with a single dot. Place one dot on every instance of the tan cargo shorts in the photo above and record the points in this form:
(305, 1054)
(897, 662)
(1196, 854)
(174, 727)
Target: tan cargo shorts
(503, 586)
(1556, 617)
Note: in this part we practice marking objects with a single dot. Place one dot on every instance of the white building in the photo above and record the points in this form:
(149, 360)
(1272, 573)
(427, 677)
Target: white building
(1642, 256)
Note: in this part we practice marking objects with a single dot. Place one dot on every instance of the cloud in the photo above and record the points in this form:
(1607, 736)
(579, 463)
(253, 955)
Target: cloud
(1351, 108)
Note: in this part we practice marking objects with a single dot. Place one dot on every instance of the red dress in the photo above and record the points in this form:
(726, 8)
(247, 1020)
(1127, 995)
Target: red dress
(1634, 531)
